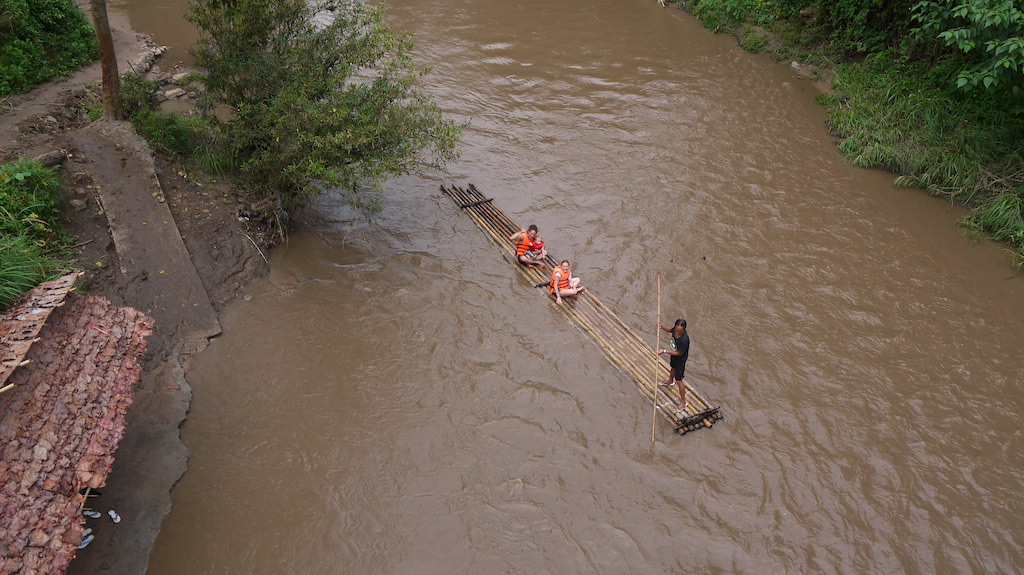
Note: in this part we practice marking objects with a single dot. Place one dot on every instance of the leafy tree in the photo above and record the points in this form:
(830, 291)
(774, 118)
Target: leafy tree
(320, 95)
(989, 33)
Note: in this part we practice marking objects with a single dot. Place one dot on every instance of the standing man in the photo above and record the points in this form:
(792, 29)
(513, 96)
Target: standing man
(678, 355)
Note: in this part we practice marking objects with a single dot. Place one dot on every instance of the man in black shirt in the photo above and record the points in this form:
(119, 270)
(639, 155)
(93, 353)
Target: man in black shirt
(678, 355)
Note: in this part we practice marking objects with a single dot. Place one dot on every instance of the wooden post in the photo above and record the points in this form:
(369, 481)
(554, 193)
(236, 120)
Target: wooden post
(108, 61)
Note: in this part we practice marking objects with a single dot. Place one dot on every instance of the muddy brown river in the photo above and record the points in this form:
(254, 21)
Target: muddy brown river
(395, 399)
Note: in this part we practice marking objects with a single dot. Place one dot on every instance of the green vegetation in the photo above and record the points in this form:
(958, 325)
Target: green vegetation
(930, 89)
(308, 97)
(320, 95)
(752, 38)
(33, 247)
(1002, 217)
(41, 40)
(181, 137)
(988, 35)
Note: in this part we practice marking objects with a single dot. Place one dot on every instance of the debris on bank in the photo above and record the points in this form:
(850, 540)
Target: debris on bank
(74, 362)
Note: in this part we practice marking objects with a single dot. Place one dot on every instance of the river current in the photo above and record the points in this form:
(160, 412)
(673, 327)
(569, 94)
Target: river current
(395, 399)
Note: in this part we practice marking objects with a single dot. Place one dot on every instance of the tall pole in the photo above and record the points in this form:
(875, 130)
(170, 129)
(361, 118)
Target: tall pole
(657, 364)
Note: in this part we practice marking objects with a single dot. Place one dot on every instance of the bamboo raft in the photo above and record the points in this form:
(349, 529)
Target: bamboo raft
(619, 344)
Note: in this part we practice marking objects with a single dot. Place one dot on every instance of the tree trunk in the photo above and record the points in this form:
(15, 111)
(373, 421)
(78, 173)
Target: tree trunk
(108, 60)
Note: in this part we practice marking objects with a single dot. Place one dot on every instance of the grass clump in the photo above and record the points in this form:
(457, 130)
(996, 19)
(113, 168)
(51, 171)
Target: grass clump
(33, 244)
(717, 15)
(30, 202)
(752, 39)
(1002, 217)
(23, 265)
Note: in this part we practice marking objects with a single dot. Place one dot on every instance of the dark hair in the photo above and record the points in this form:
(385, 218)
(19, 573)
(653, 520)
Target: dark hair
(532, 228)
(681, 322)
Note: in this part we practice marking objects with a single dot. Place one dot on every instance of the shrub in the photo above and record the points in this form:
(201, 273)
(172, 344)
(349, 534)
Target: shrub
(752, 39)
(167, 133)
(322, 95)
(41, 40)
(138, 93)
(989, 34)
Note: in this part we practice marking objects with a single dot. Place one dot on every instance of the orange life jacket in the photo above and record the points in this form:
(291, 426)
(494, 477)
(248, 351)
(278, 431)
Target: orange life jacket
(523, 245)
(563, 280)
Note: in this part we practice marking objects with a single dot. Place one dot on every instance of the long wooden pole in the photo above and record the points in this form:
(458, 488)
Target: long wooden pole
(657, 336)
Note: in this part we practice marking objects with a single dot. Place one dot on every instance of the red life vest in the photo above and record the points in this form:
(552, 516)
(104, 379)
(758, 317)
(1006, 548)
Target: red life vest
(563, 279)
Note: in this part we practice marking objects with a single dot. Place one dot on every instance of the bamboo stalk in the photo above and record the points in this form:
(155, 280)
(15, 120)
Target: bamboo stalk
(657, 336)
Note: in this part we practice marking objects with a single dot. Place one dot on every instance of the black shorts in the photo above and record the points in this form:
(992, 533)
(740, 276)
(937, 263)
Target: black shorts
(678, 368)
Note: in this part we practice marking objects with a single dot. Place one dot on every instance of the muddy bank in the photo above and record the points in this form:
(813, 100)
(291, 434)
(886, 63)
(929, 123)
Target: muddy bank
(153, 236)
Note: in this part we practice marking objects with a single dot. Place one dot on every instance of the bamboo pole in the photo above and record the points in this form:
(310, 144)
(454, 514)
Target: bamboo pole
(633, 368)
(657, 336)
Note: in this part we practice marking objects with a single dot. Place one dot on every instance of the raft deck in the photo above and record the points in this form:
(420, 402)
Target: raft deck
(620, 344)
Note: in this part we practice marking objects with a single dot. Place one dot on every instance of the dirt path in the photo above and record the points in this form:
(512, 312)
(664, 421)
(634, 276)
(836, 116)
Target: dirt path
(130, 212)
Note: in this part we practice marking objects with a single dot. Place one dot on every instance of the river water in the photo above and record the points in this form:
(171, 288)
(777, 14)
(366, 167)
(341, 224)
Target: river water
(395, 399)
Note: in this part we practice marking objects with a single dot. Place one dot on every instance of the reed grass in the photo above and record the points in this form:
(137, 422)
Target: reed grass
(34, 245)
(30, 202)
(903, 116)
(23, 265)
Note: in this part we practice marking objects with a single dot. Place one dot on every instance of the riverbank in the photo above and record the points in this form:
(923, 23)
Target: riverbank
(151, 236)
(894, 102)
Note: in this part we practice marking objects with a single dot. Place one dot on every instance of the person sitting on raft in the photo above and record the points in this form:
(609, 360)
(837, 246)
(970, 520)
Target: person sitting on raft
(563, 284)
(529, 248)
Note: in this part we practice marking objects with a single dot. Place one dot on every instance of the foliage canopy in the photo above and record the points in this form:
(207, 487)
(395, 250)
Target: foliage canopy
(989, 33)
(40, 40)
(320, 95)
